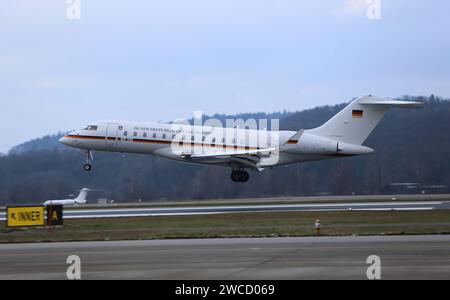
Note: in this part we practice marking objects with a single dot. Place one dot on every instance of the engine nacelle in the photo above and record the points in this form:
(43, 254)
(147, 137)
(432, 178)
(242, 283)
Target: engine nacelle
(314, 144)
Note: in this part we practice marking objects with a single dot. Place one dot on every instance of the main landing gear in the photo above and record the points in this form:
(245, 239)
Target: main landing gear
(87, 166)
(239, 175)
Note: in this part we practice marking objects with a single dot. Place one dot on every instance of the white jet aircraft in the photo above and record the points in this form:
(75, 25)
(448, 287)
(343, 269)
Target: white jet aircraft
(80, 199)
(240, 148)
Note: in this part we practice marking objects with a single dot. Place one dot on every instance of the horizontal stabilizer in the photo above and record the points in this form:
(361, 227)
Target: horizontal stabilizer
(391, 103)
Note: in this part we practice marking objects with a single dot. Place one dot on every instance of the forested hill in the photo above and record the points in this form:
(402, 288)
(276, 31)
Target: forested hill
(411, 146)
(49, 142)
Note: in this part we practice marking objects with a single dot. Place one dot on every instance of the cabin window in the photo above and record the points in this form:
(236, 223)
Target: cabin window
(203, 138)
(154, 135)
(145, 134)
(192, 138)
(125, 133)
(164, 136)
(135, 134)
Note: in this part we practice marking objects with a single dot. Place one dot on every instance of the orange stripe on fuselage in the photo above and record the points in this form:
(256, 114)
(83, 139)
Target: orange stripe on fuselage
(150, 141)
(86, 137)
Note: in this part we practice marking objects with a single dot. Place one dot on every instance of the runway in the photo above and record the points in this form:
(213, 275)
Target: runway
(203, 210)
(402, 257)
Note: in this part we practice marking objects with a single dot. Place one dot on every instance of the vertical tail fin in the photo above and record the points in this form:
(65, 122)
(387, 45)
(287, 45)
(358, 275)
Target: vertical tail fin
(81, 198)
(356, 121)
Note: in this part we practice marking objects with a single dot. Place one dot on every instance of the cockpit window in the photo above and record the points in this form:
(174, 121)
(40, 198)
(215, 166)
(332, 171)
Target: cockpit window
(91, 127)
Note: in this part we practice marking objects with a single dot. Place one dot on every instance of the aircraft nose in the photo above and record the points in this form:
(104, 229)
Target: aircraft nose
(62, 140)
(65, 141)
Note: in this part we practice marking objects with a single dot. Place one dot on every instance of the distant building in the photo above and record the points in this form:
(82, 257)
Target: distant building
(102, 201)
(414, 188)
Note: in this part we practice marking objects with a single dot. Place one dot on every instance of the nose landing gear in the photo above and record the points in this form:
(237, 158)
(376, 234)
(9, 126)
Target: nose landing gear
(239, 175)
(89, 157)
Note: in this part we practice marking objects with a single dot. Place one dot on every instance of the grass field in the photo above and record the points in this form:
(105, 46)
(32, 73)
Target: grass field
(237, 225)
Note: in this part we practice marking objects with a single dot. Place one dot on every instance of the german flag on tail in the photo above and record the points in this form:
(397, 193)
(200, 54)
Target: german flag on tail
(357, 113)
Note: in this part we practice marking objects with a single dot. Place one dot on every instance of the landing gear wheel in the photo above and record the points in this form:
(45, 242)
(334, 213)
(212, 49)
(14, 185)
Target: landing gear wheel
(239, 176)
(89, 158)
(235, 176)
(244, 176)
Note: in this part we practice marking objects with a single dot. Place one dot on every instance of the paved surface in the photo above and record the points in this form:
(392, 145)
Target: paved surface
(202, 210)
(402, 257)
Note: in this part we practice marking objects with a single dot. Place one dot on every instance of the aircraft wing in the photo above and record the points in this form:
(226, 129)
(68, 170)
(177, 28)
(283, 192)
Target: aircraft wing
(227, 153)
(244, 158)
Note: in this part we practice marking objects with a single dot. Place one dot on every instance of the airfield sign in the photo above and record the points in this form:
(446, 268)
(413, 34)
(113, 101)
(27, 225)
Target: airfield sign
(54, 215)
(24, 216)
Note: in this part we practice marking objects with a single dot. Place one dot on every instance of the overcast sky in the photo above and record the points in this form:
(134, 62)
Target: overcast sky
(162, 60)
